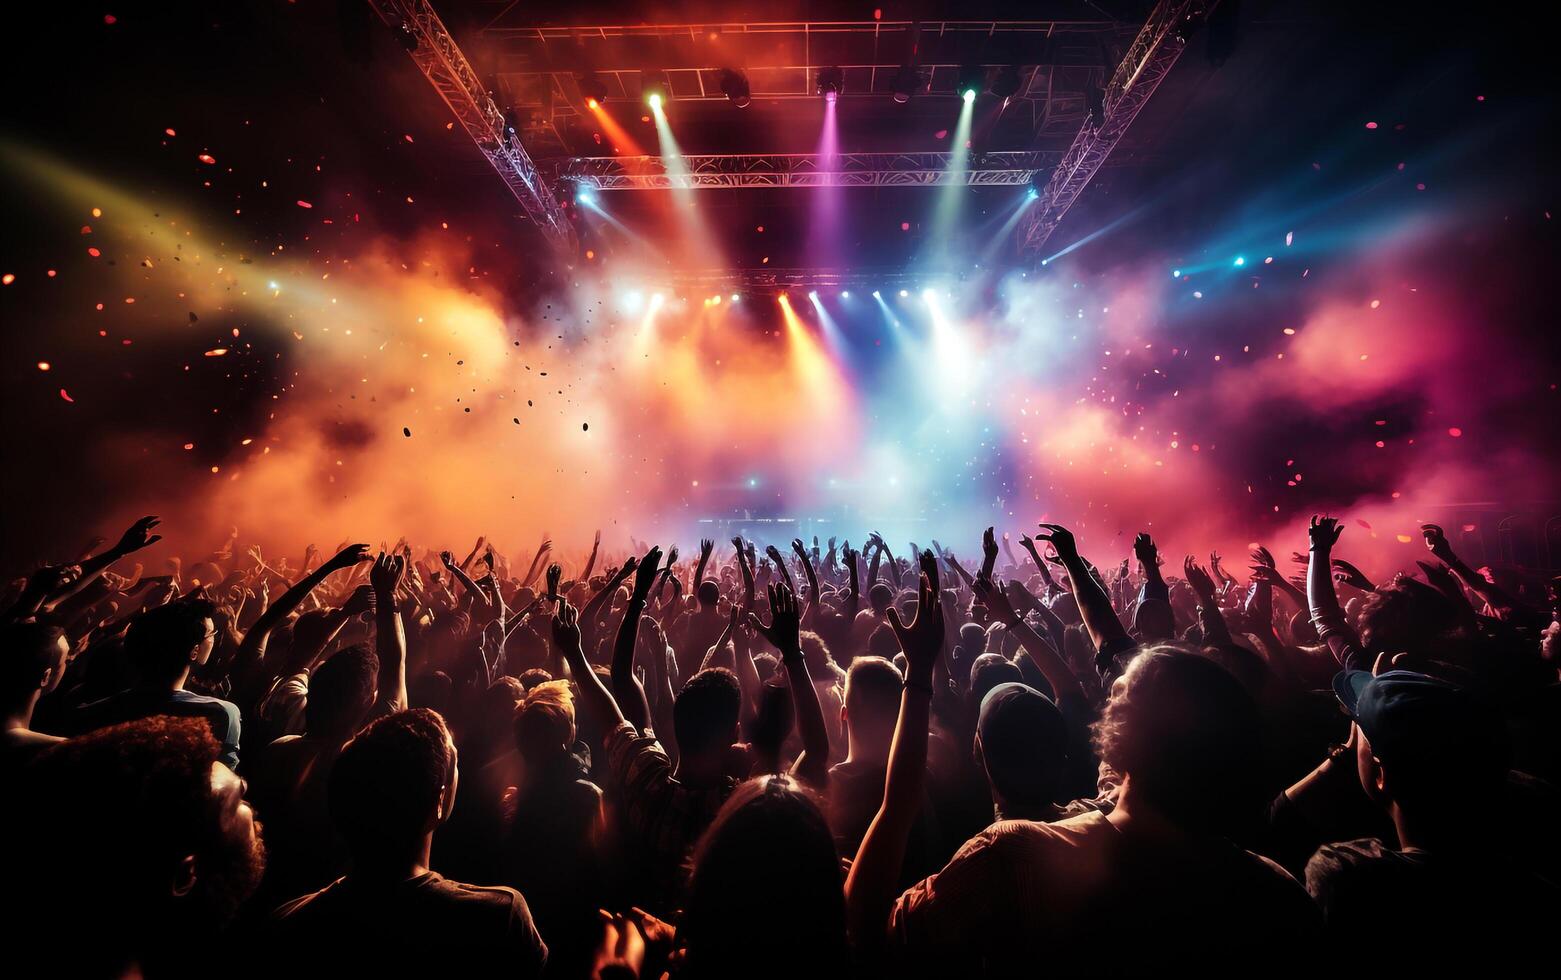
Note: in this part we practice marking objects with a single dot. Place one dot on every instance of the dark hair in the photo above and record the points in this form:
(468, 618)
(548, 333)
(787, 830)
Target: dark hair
(113, 813)
(27, 652)
(879, 595)
(342, 691)
(159, 641)
(709, 593)
(769, 848)
(388, 781)
(990, 670)
(704, 714)
(1188, 735)
(873, 692)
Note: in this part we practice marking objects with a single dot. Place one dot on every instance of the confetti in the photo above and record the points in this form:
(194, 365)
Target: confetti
(304, 204)
(404, 429)
(206, 158)
(1403, 538)
(1455, 432)
(66, 395)
(217, 352)
(8, 278)
(44, 365)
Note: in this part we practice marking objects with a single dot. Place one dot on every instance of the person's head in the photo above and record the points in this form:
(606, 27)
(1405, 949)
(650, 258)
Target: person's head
(972, 639)
(990, 670)
(342, 691)
(769, 849)
(393, 784)
(1424, 746)
(1152, 621)
(149, 824)
(534, 676)
(545, 722)
(704, 717)
(32, 661)
(1022, 744)
(1187, 737)
(879, 596)
(882, 642)
(1406, 616)
(162, 644)
(709, 594)
(819, 659)
(871, 705)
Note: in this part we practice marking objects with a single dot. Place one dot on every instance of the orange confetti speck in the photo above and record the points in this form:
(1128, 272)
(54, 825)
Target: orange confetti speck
(189, 445)
(304, 204)
(44, 365)
(1376, 303)
(170, 131)
(1289, 331)
(1403, 538)
(66, 395)
(52, 273)
(1455, 432)
(8, 278)
(214, 469)
(590, 253)
(130, 299)
(216, 352)
(206, 158)
(407, 137)
(93, 252)
(245, 442)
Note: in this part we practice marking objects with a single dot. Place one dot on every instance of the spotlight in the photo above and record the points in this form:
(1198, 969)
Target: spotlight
(583, 195)
(927, 295)
(1241, 260)
(734, 297)
(906, 83)
(812, 294)
(734, 85)
(845, 294)
(1006, 85)
(877, 294)
(830, 82)
(1176, 273)
(654, 88)
(593, 90)
(904, 293)
(1031, 194)
(972, 79)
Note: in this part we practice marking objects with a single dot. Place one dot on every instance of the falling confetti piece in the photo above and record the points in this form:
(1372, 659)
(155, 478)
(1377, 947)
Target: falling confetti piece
(8, 278)
(170, 131)
(1371, 125)
(93, 252)
(1455, 432)
(1403, 538)
(44, 365)
(304, 204)
(1364, 524)
(404, 430)
(1376, 303)
(407, 137)
(585, 426)
(189, 445)
(206, 158)
(216, 352)
(66, 395)
(515, 420)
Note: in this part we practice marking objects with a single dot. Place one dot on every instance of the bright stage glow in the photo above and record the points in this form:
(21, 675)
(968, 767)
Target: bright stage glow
(655, 102)
(1241, 260)
(1176, 273)
(845, 294)
(969, 96)
(904, 293)
(586, 197)
(734, 297)
(591, 103)
(877, 294)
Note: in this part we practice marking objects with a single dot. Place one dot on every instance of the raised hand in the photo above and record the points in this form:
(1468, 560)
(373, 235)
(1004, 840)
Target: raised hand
(1199, 579)
(645, 574)
(989, 544)
(996, 601)
(672, 556)
(555, 574)
(566, 629)
(629, 565)
(1436, 542)
(1145, 551)
(361, 601)
(784, 630)
(922, 640)
(737, 542)
(800, 548)
(774, 554)
(139, 535)
(446, 559)
(706, 546)
(1262, 556)
(347, 557)
(1324, 532)
(1062, 539)
(385, 576)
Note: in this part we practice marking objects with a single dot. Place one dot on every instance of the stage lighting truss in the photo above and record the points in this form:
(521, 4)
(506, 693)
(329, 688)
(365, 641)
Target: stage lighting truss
(1154, 51)
(655, 90)
(593, 90)
(440, 60)
(993, 168)
(972, 81)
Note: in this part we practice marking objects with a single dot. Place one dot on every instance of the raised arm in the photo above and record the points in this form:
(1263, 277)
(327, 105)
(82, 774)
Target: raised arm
(988, 555)
(1328, 619)
(628, 693)
(1505, 605)
(459, 573)
(590, 563)
(784, 634)
(706, 546)
(596, 701)
(139, 535)
(870, 886)
(1105, 629)
(1041, 653)
(1215, 632)
(253, 650)
(390, 639)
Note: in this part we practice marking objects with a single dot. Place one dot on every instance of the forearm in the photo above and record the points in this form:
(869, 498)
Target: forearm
(390, 644)
(870, 886)
(813, 765)
(1048, 659)
(597, 702)
(628, 694)
(1094, 605)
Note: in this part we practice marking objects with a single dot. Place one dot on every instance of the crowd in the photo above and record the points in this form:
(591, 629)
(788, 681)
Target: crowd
(822, 762)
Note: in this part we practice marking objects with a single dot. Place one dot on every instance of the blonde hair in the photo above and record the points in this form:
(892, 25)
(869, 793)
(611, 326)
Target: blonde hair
(545, 720)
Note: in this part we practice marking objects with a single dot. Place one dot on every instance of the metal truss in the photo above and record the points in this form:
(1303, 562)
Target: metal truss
(1153, 52)
(437, 55)
(991, 169)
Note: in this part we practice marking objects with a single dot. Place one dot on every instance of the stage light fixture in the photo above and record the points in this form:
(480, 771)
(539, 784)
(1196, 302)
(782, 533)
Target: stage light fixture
(830, 83)
(906, 83)
(584, 195)
(654, 88)
(734, 297)
(845, 294)
(1006, 84)
(734, 85)
(877, 294)
(593, 90)
(1241, 260)
(904, 293)
(972, 79)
